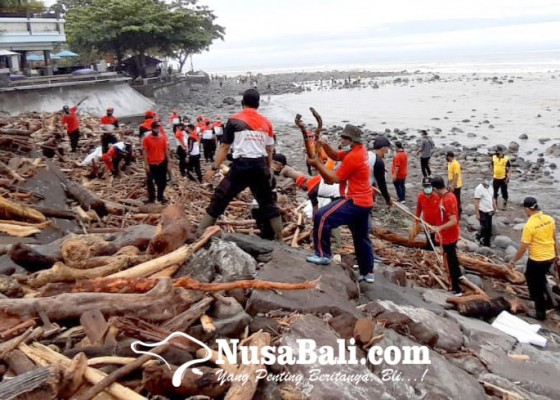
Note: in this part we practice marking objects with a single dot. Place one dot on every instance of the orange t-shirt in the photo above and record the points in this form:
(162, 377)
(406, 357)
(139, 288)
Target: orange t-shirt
(401, 161)
(180, 135)
(108, 120)
(156, 149)
(71, 120)
(354, 174)
(448, 208)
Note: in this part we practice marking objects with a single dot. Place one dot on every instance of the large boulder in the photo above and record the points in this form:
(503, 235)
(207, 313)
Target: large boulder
(259, 248)
(310, 327)
(288, 265)
(439, 380)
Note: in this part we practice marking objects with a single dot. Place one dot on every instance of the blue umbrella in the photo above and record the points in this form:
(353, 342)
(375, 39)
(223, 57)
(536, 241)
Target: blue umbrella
(35, 57)
(66, 54)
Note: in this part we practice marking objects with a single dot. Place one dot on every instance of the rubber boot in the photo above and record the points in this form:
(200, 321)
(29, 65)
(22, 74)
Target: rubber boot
(276, 225)
(205, 222)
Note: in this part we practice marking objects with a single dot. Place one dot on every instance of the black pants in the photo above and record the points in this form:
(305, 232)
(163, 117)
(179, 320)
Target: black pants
(209, 148)
(485, 227)
(245, 172)
(535, 275)
(107, 138)
(457, 193)
(450, 251)
(182, 155)
(500, 184)
(194, 166)
(157, 175)
(429, 245)
(400, 189)
(74, 138)
(425, 165)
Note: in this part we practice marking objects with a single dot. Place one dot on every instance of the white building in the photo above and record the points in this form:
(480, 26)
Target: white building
(22, 35)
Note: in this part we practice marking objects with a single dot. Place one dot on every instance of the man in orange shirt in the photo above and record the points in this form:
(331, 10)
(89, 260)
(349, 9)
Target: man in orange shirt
(448, 232)
(108, 123)
(400, 171)
(71, 121)
(156, 154)
(427, 207)
(353, 209)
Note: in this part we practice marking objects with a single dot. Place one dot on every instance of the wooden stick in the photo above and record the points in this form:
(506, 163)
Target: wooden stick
(12, 173)
(119, 373)
(240, 390)
(45, 355)
(298, 230)
(175, 257)
(11, 209)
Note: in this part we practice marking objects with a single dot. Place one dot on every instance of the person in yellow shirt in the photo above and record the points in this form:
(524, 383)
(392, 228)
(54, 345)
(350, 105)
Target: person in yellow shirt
(454, 178)
(501, 170)
(539, 236)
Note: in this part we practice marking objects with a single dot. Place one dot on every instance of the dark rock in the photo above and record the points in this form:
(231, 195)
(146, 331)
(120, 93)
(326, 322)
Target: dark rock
(138, 236)
(513, 147)
(443, 380)
(228, 100)
(396, 276)
(289, 265)
(343, 324)
(265, 324)
(312, 327)
(523, 136)
(259, 248)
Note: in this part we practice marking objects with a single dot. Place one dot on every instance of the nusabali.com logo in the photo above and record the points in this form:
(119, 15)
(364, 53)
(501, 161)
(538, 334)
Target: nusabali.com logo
(305, 352)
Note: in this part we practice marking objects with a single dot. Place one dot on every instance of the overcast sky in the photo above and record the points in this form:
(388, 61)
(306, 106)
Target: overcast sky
(299, 33)
(265, 34)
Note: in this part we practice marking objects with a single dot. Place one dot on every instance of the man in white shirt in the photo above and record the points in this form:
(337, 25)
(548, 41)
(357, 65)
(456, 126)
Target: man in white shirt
(485, 206)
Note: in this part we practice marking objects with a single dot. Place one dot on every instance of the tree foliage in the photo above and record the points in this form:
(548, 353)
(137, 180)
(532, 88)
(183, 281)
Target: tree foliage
(139, 27)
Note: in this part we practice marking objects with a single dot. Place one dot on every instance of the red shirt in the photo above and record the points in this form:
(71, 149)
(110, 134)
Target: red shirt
(180, 135)
(108, 120)
(156, 148)
(429, 206)
(400, 161)
(71, 120)
(448, 207)
(354, 174)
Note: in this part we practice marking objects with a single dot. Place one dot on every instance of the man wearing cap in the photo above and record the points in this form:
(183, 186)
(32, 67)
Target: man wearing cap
(156, 155)
(501, 168)
(425, 151)
(208, 141)
(251, 138)
(539, 236)
(485, 206)
(448, 231)
(109, 119)
(193, 154)
(108, 124)
(352, 209)
(427, 208)
(399, 171)
(72, 122)
(454, 178)
(381, 146)
(218, 128)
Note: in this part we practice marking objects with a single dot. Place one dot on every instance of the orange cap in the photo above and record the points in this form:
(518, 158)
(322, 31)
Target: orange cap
(149, 114)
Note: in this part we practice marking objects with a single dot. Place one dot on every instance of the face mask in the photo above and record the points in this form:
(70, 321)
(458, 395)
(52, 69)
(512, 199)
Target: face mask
(109, 114)
(489, 182)
(428, 190)
(347, 148)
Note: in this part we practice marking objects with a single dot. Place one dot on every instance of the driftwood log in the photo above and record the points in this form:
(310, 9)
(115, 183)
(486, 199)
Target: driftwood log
(37, 384)
(11, 210)
(159, 304)
(30, 259)
(86, 199)
(140, 285)
(174, 231)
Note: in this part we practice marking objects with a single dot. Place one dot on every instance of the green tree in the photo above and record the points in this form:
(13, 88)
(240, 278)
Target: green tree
(139, 27)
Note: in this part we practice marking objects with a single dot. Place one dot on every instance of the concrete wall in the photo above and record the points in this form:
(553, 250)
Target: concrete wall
(125, 100)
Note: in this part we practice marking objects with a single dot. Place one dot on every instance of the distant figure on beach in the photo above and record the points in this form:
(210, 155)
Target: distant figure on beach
(381, 146)
(72, 122)
(155, 148)
(454, 178)
(425, 151)
(208, 141)
(174, 119)
(181, 148)
(193, 154)
(108, 124)
(218, 128)
(485, 206)
(501, 169)
(539, 236)
(448, 232)
(427, 207)
(399, 171)
(251, 137)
